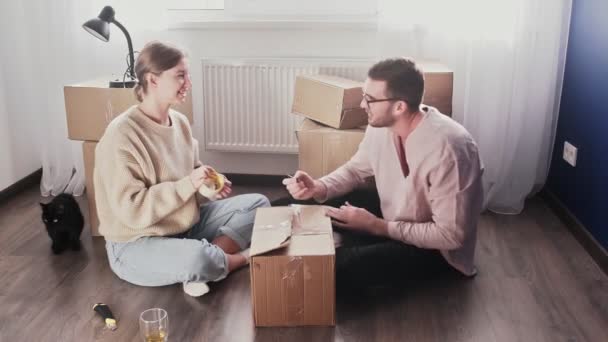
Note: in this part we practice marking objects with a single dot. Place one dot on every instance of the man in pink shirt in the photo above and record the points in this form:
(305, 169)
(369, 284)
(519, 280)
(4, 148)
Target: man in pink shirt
(428, 178)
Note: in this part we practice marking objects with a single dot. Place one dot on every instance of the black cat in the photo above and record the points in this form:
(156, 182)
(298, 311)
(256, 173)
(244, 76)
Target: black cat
(64, 222)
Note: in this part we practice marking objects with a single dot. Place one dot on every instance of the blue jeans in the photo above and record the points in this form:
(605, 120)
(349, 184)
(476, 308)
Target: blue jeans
(159, 261)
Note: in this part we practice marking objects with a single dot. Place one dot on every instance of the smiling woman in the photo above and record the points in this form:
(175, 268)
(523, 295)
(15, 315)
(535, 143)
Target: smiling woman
(147, 174)
(158, 60)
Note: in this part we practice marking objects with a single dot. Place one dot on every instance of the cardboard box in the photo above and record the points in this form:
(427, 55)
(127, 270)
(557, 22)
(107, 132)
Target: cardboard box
(323, 149)
(331, 100)
(88, 154)
(90, 106)
(438, 86)
(293, 267)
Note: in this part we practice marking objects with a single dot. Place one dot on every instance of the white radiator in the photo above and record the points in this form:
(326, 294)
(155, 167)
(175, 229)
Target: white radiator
(247, 102)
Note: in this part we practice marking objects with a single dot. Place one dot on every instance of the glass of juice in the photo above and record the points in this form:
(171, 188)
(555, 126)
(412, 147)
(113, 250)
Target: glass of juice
(154, 325)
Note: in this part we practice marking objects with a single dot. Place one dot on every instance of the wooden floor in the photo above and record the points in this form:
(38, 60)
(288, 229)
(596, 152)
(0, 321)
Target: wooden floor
(535, 283)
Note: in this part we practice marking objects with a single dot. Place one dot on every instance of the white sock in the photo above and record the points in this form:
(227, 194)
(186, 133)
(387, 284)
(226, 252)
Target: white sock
(196, 288)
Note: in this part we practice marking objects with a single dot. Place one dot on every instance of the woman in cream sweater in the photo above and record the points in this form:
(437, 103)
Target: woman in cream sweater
(158, 229)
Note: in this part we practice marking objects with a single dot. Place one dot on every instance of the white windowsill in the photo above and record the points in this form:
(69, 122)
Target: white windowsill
(216, 19)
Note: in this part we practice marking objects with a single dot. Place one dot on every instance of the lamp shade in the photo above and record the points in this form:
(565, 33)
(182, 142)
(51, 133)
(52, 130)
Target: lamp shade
(100, 26)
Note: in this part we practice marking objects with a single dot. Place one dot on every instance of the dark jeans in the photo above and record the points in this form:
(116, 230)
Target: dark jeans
(369, 261)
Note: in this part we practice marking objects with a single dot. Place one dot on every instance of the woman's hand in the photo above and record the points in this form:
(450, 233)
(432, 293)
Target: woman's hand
(200, 174)
(226, 189)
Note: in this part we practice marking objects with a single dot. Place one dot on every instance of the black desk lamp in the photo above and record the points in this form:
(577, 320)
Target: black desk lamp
(100, 28)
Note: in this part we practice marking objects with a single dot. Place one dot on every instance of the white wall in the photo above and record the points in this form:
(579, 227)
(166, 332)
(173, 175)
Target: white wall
(36, 61)
(7, 173)
(19, 138)
(19, 152)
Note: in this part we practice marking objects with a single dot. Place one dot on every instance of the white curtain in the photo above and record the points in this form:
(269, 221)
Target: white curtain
(508, 59)
(47, 49)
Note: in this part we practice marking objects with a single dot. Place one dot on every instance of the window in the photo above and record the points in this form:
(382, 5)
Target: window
(197, 5)
(214, 13)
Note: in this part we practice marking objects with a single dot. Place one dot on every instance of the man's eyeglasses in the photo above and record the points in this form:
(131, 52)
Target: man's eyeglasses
(368, 99)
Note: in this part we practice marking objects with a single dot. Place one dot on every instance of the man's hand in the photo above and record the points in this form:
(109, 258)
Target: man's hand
(303, 187)
(357, 219)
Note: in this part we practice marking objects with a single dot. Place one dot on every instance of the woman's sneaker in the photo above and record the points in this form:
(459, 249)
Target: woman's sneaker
(196, 288)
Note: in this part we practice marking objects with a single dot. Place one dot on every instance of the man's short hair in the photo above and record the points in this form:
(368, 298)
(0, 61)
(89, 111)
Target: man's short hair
(404, 80)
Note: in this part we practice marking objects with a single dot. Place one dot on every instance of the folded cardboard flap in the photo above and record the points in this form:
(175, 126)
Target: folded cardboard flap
(302, 229)
(272, 230)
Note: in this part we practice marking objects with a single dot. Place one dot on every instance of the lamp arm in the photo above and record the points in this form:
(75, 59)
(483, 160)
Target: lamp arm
(131, 56)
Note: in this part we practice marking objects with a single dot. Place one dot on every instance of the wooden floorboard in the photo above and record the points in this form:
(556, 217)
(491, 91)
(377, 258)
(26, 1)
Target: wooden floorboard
(535, 283)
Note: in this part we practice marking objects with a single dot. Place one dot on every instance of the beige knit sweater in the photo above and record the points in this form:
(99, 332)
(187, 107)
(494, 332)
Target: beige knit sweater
(142, 177)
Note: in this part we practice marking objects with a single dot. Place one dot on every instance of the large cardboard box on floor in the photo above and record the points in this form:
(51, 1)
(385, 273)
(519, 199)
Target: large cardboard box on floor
(91, 105)
(292, 267)
(323, 149)
(331, 100)
(88, 154)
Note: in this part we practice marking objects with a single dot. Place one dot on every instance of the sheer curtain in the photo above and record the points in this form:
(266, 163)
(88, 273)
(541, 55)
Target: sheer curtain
(49, 49)
(508, 58)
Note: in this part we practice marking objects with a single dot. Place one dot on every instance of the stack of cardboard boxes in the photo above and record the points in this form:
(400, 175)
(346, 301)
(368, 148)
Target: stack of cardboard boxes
(335, 123)
(293, 257)
(89, 107)
(332, 130)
